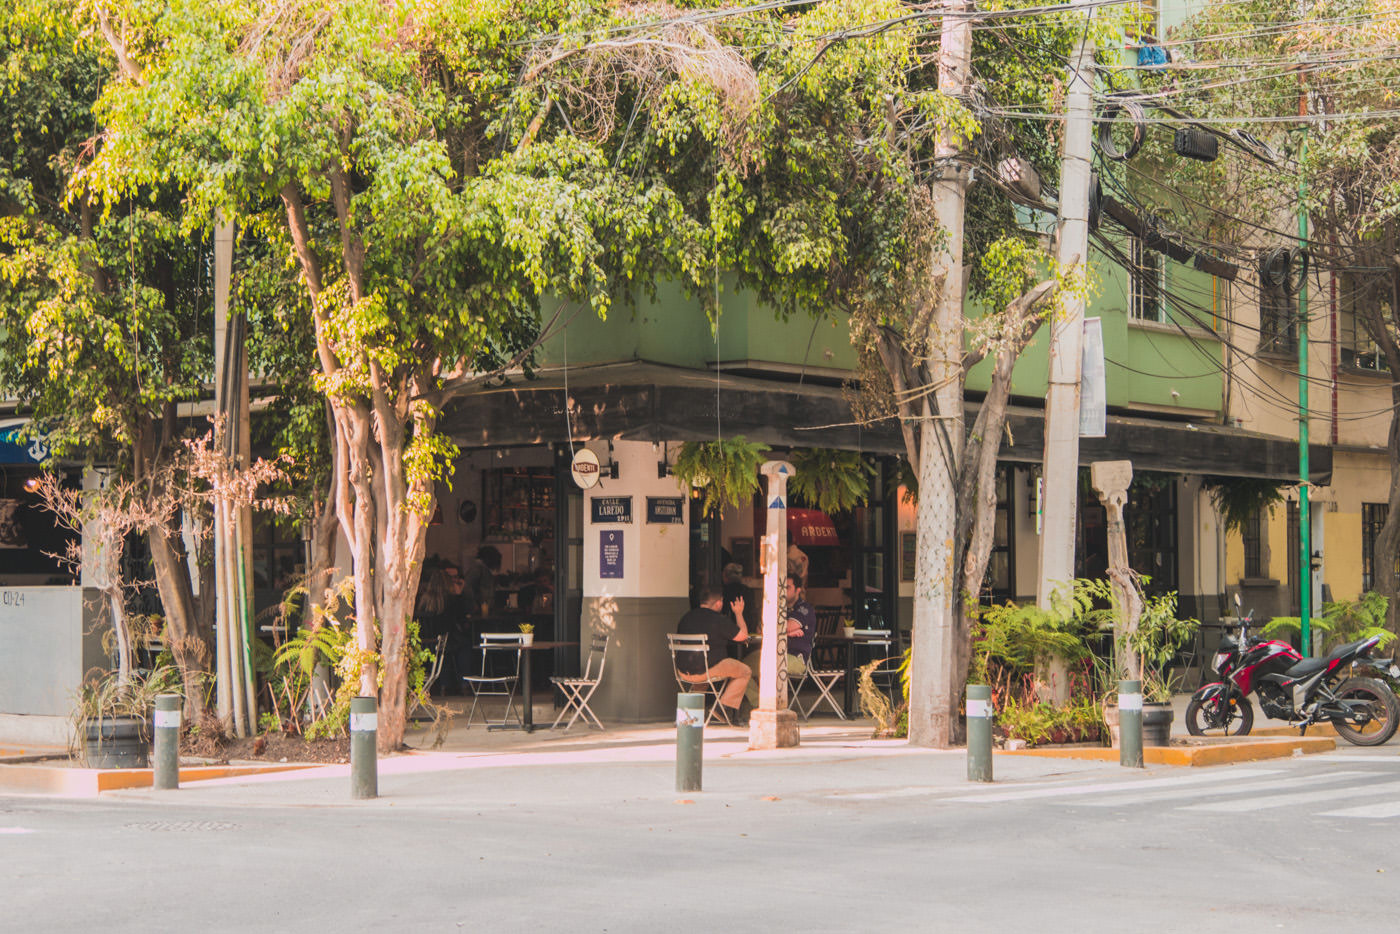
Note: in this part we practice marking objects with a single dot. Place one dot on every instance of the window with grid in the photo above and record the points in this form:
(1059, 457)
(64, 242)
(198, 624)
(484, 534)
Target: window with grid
(1147, 280)
(1278, 318)
(1363, 296)
(1253, 535)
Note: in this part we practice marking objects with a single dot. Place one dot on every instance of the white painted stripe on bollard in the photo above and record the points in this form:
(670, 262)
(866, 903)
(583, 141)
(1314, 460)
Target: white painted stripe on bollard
(167, 720)
(1129, 701)
(686, 717)
(979, 708)
(364, 722)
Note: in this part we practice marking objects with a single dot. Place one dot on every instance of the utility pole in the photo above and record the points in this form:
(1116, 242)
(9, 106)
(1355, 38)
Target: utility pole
(1304, 470)
(935, 688)
(1060, 466)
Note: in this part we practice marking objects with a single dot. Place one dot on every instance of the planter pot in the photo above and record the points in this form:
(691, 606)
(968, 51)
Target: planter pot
(527, 638)
(1157, 724)
(116, 743)
(848, 632)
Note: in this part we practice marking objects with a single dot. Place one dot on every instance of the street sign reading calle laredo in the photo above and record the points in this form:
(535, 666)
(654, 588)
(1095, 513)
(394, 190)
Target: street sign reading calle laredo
(612, 508)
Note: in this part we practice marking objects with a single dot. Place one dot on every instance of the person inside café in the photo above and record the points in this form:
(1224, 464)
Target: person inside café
(479, 582)
(732, 579)
(708, 619)
(801, 628)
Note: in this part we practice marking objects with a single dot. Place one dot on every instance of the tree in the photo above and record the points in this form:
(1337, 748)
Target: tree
(1336, 58)
(99, 309)
(800, 144)
(380, 150)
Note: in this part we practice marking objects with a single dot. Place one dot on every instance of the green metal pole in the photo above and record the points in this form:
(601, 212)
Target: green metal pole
(979, 733)
(167, 742)
(364, 762)
(1304, 471)
(690, 738)
(1130, 724)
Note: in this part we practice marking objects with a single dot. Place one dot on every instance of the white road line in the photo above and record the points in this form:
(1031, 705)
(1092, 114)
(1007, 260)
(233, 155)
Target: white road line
(1125, 785)
(1356, 758)
(1291, 782)
(1305, 797)
(1385, 809)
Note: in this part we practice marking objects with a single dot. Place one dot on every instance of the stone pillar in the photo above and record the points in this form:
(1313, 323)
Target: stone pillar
(1111, 480)
(772, 725)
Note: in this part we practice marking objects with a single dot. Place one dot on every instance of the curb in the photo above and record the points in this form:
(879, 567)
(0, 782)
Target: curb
(88, 783)
(1208, 753)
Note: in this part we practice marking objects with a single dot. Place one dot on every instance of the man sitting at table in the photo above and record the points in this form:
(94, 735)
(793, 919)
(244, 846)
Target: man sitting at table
(801, 627)
(706, 619)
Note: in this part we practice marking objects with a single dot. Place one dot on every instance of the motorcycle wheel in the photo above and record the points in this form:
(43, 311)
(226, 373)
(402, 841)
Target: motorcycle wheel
(1239, 720)
(1385, 712)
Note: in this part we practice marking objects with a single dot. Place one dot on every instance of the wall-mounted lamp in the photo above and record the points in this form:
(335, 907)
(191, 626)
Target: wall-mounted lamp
(1316, 561)
(663, 466)
(612, 464)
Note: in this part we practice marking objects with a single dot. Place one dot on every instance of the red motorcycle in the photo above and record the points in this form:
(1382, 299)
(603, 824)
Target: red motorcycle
(1302, 691)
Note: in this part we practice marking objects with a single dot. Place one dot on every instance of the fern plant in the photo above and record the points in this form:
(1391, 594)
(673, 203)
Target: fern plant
(725, 470)
(1239, 499)
(832, 481)
(1342, 621)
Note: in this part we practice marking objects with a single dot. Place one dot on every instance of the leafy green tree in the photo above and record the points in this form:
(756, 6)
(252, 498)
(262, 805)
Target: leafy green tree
(380, 149)
(100, 306)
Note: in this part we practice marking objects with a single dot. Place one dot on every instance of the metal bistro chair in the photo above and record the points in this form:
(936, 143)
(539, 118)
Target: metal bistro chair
(682, 643)
(825, 679)
(500, 673)
(577, 691)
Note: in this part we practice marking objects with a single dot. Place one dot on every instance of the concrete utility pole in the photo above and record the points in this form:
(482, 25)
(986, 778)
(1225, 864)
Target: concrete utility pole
(772, 725)
(935, 681)
(1060, 467)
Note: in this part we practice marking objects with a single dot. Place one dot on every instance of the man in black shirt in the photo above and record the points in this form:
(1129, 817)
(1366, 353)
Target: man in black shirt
(708, 620)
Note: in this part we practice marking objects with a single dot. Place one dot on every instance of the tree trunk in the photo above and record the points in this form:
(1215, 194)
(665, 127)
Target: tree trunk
(935, 681)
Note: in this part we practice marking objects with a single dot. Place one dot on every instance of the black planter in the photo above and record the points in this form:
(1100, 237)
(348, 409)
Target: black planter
(116, 743)
(1157, 724)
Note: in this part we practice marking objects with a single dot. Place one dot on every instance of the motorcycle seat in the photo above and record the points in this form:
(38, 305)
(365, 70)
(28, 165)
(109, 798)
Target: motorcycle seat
(1311, 666)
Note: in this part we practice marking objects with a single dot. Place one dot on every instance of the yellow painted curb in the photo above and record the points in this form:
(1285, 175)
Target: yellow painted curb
(37, 779)
(1208, 753)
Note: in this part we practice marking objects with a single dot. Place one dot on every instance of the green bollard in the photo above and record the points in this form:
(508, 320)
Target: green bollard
(1130, 724)
(690, 740)
(364, 761)
(167, 742)
(979, 733)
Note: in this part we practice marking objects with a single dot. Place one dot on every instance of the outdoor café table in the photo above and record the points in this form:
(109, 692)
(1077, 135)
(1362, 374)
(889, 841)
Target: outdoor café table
(527, 721)
(849, 645)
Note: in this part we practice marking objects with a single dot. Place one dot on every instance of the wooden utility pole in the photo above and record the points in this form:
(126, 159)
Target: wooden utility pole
(1060, 467)
(935, 686)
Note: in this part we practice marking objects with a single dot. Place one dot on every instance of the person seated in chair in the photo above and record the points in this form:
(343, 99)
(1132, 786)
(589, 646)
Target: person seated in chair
(707, 619)
(801, 627)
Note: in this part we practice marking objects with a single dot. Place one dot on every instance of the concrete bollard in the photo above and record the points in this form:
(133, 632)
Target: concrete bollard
(1130, 724)
(690, 740)
(364, 759)
(979, 733)
(166, 728)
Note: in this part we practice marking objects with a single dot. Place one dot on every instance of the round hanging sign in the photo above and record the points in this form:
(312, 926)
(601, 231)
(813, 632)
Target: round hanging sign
(585, 469)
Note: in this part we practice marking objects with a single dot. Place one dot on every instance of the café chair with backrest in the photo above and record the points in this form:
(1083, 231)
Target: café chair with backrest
(577, 691)
(500, 673)
(434, 670)
(687, 646)
(825, 679)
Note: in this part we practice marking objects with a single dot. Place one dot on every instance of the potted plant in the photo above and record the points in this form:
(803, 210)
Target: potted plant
(726, 471)
(527, 633)
(111, 719)
(848, 628)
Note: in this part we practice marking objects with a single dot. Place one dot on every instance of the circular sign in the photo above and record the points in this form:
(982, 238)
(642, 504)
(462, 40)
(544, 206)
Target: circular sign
(585, 469)
(466, 511)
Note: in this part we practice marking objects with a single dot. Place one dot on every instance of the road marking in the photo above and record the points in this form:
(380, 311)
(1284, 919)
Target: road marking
(1356, 758)
(15, 830)
(1385, 809)
(1125, 785)
(1305, 797)
(1292, 782)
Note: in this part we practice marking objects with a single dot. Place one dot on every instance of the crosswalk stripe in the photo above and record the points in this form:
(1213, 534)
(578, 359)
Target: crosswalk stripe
(1190, 792)
(1125, 785)
(1354, 758)
(1304, 797)
(1384, 809)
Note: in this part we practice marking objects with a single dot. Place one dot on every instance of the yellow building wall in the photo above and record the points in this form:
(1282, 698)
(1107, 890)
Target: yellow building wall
(1342, 554)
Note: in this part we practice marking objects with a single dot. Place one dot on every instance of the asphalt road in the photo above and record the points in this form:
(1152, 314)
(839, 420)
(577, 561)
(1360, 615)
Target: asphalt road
(850, 845)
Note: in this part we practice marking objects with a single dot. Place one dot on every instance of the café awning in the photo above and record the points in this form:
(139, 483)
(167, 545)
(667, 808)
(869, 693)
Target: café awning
(809, 527)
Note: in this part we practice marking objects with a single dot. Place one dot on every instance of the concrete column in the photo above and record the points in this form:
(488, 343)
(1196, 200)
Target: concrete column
(638, 608)
(772, 725)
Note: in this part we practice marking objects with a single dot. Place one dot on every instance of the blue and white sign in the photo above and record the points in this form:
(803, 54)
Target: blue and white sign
(610, 554)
